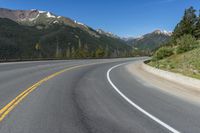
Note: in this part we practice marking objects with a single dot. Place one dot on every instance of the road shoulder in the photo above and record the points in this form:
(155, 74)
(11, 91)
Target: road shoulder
(187, 93)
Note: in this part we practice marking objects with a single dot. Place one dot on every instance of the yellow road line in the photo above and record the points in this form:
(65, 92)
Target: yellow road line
(10, 106)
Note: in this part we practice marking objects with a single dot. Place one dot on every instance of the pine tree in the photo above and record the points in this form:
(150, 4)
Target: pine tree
(99, 53)
(79, 44)
(197, 29)
(68, 52)
(37, 46)
(86, 50)
(106, 51)
(58, 53)
(38, 50)
(187, 24)
(72, 52)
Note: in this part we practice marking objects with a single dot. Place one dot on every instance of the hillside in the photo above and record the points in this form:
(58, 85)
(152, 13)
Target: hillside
(150, 41)
(187, 63)
(109, 34)
(41, 34)
(43, 19)
(182, 53)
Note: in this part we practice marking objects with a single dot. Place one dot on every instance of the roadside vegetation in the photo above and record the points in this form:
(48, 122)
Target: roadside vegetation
(182, 53)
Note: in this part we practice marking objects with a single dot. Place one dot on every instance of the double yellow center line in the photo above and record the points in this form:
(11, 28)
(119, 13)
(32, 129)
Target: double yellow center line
(10, 106)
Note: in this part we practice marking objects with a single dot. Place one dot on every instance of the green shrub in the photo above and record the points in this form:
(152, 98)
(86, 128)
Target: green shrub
(186, 43)
(99, 53)
(162, 53)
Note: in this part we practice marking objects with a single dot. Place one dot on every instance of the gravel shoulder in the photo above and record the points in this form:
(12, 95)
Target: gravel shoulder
(187, 93)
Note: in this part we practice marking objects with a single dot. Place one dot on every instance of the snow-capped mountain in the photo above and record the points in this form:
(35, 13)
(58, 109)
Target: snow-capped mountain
(109, 34)
(164, 32)
(58, 37)
(156, 32)
(149, 41)
(26, 15)
(45, 18)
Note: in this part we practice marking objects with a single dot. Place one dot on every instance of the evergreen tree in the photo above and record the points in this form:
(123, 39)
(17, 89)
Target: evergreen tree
(38, 50)
(186, 43)
(58, 52)
(19, 41)
(106, 51)
(79, 44)
(187, 24)
(197, 29)
(68, 52)
(86, 51)
(72, 52)
(37, 46)
(99, 53)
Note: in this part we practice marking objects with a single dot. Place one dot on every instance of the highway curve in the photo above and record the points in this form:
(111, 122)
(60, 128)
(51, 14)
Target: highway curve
(87, 96)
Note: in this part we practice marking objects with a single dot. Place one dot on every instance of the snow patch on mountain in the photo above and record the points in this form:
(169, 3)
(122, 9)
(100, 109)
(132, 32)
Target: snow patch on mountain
(34, 17)
(55, 21)
(163, 32)
(109, 34)
(140, 38)
(49, 15)
(31, 19)
(79, 23)
(42, 11)
(33, 9)
(159, 32)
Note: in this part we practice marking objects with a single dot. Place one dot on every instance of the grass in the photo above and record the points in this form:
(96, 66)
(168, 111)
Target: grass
(187, 63)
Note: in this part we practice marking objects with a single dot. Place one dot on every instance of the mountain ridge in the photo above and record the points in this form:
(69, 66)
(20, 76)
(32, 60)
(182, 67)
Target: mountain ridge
(149, 41)
(38, 17)
(42, 34)
(109, 34)
(157, 31)
(46, 25)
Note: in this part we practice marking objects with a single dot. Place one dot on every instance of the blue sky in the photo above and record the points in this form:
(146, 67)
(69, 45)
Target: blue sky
(122, 17)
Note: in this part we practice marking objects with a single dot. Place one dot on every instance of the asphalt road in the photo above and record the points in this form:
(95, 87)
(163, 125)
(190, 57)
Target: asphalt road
(83, 100)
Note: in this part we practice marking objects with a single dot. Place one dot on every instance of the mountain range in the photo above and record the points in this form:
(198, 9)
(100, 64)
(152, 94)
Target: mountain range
(150, 41)
(43, 19)
(41, 34)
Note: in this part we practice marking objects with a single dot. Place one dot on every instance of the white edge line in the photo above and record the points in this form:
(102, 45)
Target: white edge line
(135, 105)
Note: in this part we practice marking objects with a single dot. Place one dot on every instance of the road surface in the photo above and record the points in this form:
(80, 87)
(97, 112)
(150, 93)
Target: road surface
(88, 96)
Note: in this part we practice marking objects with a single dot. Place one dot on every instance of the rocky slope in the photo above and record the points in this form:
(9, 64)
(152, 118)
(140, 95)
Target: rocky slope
(41, 18)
